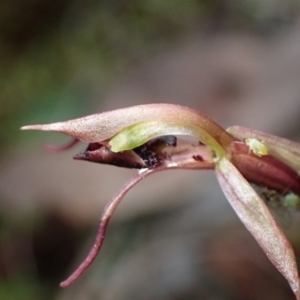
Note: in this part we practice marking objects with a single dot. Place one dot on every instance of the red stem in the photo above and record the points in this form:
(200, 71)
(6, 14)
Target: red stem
(107, 213)
(52, 148)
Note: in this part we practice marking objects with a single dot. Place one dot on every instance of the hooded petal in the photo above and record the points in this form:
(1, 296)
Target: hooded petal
(103, 126)
(256, 217)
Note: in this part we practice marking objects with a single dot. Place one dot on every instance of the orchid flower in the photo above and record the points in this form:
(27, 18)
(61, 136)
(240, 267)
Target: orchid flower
(146, 137)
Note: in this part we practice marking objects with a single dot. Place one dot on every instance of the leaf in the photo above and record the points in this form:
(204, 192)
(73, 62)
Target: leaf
(256, 217)
(285, 150)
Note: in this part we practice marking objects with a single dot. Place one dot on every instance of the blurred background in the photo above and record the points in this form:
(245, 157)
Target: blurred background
(174, 236)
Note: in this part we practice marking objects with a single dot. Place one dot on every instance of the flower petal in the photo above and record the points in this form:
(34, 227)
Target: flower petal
(256, 217)
(140, 133)
(285, 150)
(103, 126)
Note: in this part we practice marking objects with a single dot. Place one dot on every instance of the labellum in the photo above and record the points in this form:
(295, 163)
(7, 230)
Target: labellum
(101, 153)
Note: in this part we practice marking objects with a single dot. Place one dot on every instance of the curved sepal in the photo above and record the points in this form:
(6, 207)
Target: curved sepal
(257, 218)
(103, 126)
